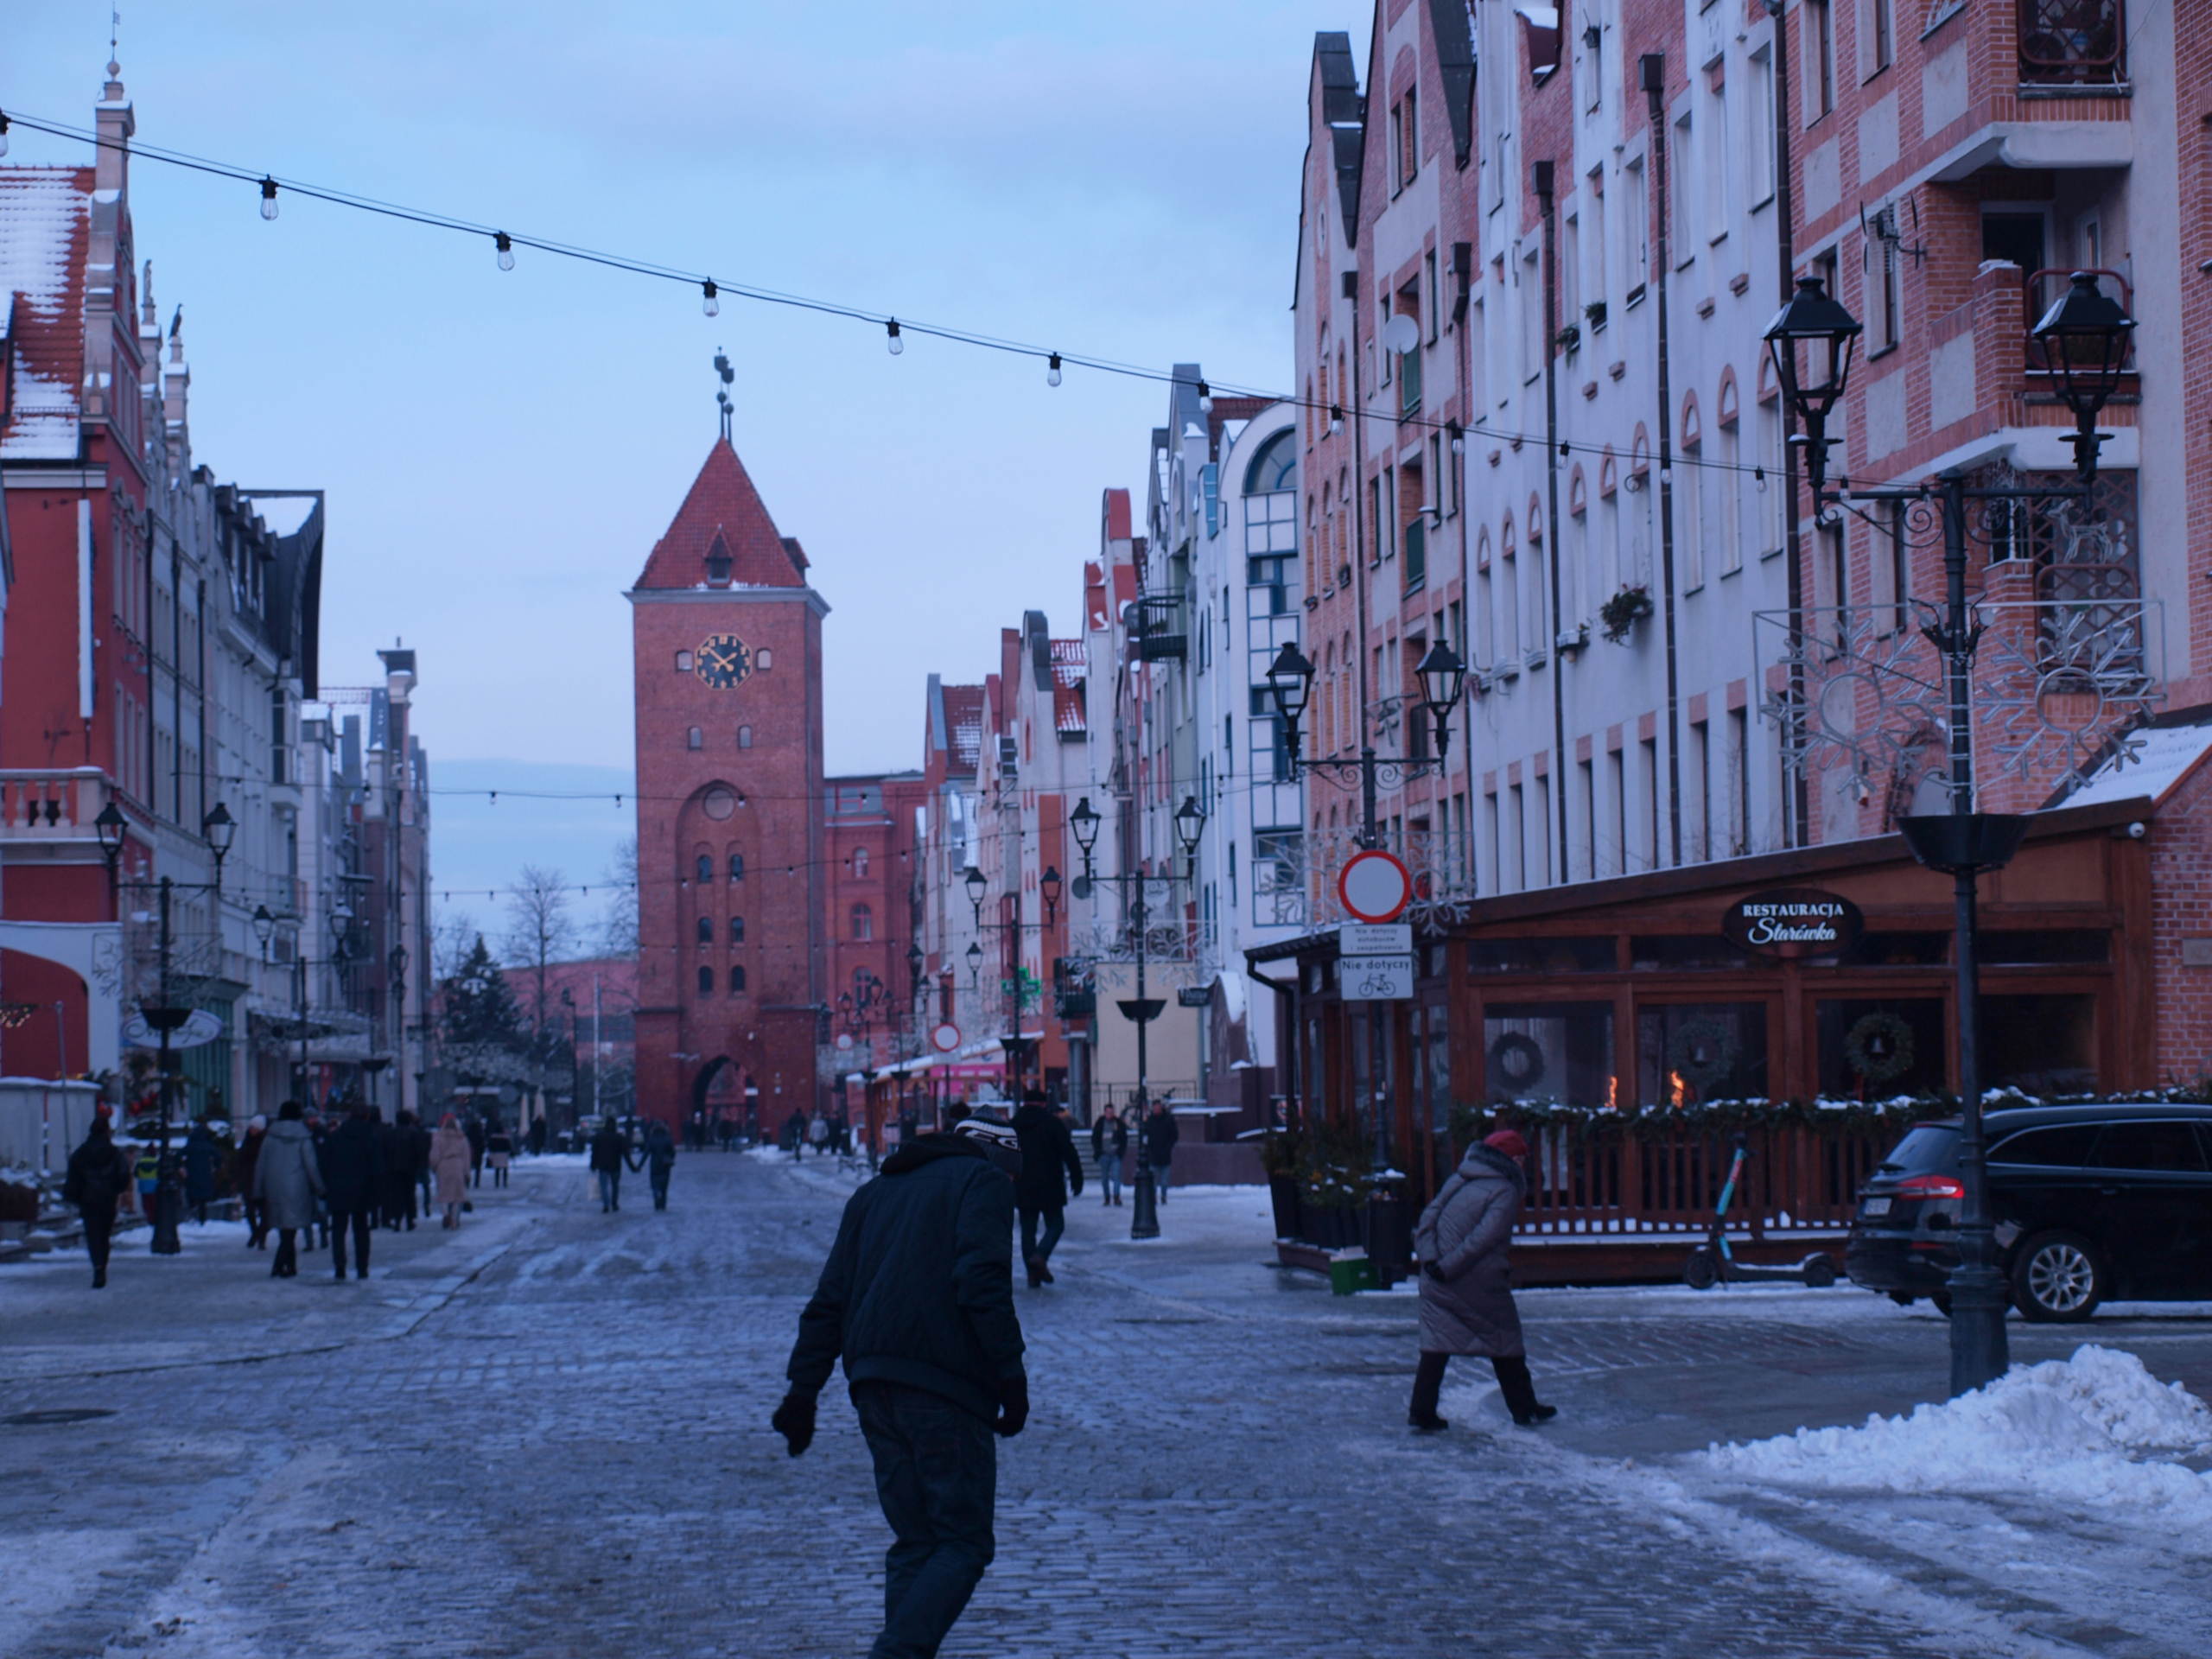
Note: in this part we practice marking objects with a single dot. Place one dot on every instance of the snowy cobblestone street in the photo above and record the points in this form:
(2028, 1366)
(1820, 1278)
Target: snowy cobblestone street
(548, 1435)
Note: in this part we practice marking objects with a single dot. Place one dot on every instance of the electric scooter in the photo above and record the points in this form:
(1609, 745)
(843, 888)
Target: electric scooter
(1713, 1262)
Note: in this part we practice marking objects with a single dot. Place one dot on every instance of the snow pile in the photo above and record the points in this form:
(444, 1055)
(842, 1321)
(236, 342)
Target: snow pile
(2085, 1430)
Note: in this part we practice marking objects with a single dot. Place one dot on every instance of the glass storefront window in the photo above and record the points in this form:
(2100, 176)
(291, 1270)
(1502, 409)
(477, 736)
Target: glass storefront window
(1651, 952)
(1585, 954)
(2041, 946)
(1686, 1052)
(2040, 1044)
(1878, 1048)
(1553, 1052)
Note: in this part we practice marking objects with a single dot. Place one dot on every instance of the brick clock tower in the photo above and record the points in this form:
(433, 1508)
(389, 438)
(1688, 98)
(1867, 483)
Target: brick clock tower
(732, 965)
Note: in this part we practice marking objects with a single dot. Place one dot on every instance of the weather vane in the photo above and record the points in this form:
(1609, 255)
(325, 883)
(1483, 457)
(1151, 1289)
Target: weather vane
(722, 393)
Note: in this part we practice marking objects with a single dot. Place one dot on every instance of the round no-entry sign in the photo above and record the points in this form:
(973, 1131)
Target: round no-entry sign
(945, 1037)
(1374, 887)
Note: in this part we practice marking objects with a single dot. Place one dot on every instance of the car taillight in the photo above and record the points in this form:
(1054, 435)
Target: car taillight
(1931, 1186)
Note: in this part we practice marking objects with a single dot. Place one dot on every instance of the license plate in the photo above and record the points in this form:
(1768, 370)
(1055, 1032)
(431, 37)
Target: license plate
(1875, 1207)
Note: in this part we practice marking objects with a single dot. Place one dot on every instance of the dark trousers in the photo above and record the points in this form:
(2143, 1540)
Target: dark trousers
(659, 1179)
(1032, 1247)
(256, 1221)
(1513, 1382)
(364, 1224)
(287, 1263)
(936, 1477)
(99, 1229)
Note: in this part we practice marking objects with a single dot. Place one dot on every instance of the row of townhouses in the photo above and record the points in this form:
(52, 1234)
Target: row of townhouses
(191, 815)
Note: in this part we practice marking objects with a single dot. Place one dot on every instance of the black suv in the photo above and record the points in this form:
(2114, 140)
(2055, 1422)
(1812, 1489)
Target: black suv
(2091, 1203)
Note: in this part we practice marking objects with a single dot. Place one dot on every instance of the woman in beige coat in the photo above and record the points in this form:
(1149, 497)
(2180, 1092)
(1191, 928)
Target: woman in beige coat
(449, 1161)
(1466, 1283)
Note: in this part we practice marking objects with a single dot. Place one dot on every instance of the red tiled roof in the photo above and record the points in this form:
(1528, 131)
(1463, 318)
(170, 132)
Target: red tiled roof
(722, 502)
(963, 720)
(1070, 666)
(45, 235)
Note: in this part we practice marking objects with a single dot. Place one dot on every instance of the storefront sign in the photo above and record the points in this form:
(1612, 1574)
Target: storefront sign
(1793, 922)
(1193, 997)
(1374, 979)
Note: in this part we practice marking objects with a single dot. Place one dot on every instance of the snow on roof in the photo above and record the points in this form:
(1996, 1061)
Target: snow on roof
(2152, 763)
(1070, 666)
(45, 230)
(963, 714)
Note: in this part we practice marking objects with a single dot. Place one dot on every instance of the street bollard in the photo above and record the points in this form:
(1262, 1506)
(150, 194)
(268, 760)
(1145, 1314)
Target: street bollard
(1145, 1222)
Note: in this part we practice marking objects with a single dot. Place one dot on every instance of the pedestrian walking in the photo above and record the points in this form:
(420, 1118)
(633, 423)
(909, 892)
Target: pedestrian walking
(1109, 1143)
(288, 1180)
(818, 1135)
(449, 1168)
(244, 1158)
(146, 1175)
(1467, 1282)
(319, 1132)
(1160, 1135)
(538, 1127)
(917, 1299)
(396, 1176)
(99, 1174)
(1049, 1168)
(610, 1156)
(203, 1162)
(353, 1183)
(477, 1138)
(660, 1160)
(499, 1152)
(421, 1137)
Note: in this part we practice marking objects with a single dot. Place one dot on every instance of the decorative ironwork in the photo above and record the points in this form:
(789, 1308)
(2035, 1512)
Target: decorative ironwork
(1296, 886)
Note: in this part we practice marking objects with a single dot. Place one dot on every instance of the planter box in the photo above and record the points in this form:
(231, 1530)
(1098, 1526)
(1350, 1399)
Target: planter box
(1282, 1192)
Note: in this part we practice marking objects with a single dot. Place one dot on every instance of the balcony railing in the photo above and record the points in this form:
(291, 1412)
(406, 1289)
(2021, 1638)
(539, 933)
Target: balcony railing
(41, 805)
(2043, 290)
(2073, 43)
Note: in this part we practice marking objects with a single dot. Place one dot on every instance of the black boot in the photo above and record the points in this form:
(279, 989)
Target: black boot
(1429, 1382)
(1520, 1392)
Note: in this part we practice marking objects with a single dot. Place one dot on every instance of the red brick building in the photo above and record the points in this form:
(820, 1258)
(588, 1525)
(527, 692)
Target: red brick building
(735, 967)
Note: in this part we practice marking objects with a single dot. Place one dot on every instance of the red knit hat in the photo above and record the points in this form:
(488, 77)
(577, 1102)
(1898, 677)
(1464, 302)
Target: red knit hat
(1509, 1142)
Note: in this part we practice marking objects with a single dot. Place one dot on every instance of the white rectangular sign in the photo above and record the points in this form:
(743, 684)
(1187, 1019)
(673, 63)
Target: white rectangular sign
(1374, 979)
(1375, 939)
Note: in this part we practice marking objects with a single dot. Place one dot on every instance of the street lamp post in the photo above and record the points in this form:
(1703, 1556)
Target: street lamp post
(2084, 336)
(1190, 820)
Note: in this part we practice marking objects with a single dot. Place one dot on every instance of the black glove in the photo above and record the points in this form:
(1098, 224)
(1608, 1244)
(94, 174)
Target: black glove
(1014, 1406)
(1433, 1271)
(794, 1420)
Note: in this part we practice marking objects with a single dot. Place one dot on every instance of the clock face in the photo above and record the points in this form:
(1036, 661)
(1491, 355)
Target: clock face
(724, 661)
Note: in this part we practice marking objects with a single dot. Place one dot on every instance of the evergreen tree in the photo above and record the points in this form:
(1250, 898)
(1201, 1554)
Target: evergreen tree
(479, 1004)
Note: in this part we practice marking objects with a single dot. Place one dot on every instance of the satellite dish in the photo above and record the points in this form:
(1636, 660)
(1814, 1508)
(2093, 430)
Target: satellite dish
(1401, 334)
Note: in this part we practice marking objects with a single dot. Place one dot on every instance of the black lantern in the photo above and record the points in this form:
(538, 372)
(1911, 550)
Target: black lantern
(1049, 884)
(1084, 822)
(221, 829)
(1442, 676)
(112, 826)
(2085, 337)
(1290, 680)
(975, 957)
(1819, 327)
(976, 882)
(264, 927)
(1189, 824)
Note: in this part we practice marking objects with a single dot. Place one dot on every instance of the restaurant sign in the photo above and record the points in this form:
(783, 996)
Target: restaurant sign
(1793, 922)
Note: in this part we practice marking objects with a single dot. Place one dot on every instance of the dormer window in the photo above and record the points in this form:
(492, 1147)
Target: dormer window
(718, 563)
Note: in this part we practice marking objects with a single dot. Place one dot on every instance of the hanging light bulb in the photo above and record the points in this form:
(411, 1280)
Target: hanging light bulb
(891, 339)
(1336, 419)
(1758, 477)
(1205, 399)
(1053, 369)
(506, 247)
(269, 198)
(707, 302)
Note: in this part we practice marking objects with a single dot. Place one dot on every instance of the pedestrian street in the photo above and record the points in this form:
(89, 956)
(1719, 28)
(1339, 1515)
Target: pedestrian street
(547, 1434)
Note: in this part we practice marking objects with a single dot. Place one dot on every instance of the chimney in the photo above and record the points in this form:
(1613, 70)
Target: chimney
(115, 121)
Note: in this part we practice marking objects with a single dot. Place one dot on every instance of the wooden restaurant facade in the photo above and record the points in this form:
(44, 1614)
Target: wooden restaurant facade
(1663, 989)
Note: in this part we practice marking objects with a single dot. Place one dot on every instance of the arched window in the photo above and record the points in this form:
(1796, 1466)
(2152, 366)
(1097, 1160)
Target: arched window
(860, 861)
(736, 980)
(695, 739)
(863, 922)
(737, 866)
(706, 981)
(745, 737)
(706, 930)
(706, 870)
(1275, 467)
(737, 929)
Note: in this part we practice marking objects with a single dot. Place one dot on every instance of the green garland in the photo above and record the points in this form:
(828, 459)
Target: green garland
(1863, 1043)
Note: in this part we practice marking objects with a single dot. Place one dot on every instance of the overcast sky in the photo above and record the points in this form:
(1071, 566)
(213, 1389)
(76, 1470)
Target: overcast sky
(501, 449)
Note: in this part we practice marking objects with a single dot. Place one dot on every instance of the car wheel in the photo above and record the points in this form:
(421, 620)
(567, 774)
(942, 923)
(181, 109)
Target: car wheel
(2057, 1278)
(1700, 1272)
(1819, 1272)
(1903, 1298)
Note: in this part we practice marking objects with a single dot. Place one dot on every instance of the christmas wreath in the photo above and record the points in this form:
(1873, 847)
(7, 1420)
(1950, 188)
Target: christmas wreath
(1703, 1051)
(1878, 1047)
(1518, 1060)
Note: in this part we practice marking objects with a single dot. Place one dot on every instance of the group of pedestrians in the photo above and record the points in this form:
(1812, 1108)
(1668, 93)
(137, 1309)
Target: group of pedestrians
(613, 1153)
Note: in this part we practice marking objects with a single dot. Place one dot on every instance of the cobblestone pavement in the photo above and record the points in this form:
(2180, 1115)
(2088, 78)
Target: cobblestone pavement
(546, 1435)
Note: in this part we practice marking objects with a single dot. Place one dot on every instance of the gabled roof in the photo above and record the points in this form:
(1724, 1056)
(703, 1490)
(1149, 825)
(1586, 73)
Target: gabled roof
(964, 714)
(1070, 666)
(45, 238)
(1455, 63)
(722, 502)
(1345, 113)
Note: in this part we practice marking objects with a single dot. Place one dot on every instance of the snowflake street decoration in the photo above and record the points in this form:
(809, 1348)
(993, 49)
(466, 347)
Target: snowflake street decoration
(1873, 694)
(2065, 685)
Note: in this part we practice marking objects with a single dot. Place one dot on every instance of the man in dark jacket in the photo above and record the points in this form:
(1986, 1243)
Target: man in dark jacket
(1109, 1143)
(1160, 1135)
(610, 1156)
(396, 1177)
(918, 1299)
(1049, 1168)
(99, 1174)
(353, 1171)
